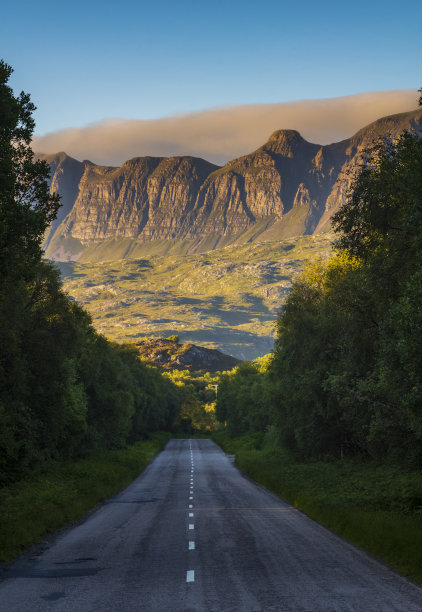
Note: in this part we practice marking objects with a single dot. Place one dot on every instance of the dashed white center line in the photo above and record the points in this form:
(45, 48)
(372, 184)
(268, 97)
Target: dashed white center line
(190, 574)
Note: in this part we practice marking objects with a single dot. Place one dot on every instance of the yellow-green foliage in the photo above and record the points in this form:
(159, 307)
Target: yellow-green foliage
(198, 394)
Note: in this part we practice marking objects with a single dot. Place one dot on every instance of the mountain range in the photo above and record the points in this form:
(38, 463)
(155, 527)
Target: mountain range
(153, 205)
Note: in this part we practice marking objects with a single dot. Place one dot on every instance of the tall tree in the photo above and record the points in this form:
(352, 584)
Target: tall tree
(26, 209)
(26, 205)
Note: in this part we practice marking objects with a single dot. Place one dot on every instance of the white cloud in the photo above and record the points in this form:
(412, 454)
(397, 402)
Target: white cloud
(221, 134)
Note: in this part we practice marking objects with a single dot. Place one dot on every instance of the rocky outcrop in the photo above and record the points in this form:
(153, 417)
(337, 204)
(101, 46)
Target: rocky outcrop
(286, 187)
(168, 354)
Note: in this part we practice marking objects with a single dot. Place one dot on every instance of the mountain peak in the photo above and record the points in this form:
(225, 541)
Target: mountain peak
(286, 136)
(285, 142)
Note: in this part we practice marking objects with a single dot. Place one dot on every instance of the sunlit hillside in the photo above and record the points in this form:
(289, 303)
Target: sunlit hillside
(226, 299)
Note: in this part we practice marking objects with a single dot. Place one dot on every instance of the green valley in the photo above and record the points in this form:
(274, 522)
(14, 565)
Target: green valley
(226, 299)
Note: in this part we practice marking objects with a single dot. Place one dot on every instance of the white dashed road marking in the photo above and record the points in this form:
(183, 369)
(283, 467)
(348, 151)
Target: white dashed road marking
(190, 574)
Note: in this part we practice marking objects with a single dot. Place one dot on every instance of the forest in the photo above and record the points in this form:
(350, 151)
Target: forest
(345, 378)
(65, 391)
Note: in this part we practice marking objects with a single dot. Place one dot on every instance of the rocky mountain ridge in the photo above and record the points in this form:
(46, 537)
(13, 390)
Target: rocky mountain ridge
(287, 187)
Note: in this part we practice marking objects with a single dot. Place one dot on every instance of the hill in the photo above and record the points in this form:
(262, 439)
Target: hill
(169, 354)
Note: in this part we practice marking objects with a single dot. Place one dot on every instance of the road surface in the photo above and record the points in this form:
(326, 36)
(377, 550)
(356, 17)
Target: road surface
(193, 534)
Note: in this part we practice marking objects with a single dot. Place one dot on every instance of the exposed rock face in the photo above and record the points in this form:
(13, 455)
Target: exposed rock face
(271, 181)
(350, 154)
(66, 174)
(147, 196)
(150, 198)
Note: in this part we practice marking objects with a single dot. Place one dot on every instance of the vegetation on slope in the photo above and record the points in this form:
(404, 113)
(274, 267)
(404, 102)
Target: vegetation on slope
(226, 299)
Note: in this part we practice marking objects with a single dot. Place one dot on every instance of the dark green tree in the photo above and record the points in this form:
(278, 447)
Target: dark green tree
(26, 205)
(26, 209)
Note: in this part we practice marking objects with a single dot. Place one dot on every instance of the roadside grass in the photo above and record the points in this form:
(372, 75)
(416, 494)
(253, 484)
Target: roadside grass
(377, 507)
(31, 509)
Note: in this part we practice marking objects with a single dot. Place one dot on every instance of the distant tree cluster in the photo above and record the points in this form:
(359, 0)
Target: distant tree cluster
(64, 389)
(346, 374)
(197, 395)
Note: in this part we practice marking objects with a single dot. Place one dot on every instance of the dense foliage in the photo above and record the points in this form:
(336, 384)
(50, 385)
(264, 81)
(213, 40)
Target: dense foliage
(65, 391)
(346, 374)
(243, 403)
(197, 392)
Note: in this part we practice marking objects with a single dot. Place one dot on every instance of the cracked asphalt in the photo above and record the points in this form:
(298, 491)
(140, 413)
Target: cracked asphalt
(192, 533)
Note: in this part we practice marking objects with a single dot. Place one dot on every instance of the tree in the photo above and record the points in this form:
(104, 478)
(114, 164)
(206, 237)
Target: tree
(26, 209)
(26, 205)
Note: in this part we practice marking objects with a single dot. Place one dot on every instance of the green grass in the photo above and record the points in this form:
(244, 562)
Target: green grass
(377, 507)
(31, 509)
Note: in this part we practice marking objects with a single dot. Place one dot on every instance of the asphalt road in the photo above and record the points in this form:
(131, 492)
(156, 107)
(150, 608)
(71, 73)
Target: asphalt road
(192, 533)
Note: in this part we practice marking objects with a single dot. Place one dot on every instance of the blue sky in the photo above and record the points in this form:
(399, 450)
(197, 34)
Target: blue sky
(83, 62)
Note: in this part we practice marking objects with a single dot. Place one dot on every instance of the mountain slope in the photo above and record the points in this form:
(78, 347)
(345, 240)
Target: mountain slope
(287, 187)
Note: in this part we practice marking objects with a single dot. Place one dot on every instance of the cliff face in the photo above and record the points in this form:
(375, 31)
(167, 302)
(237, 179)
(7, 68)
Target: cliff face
(186, 198)
(66, 174)
(350, 154)
(147, 196)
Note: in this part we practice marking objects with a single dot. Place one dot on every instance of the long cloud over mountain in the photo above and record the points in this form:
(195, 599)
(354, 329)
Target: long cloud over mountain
(221, 134)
